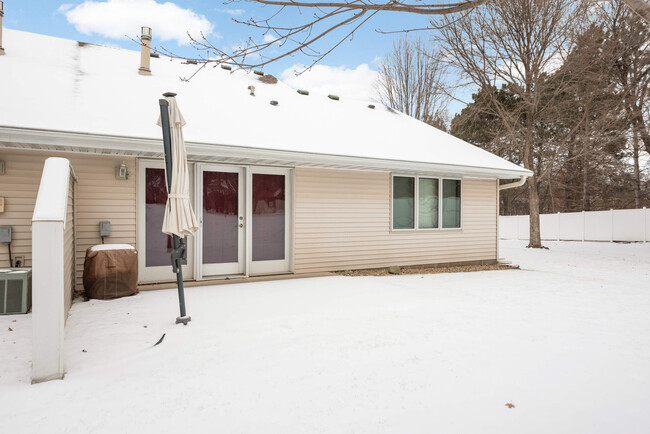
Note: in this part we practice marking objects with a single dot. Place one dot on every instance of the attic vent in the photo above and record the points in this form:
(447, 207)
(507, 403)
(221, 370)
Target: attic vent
(274, 102)
(258, 73)
(334, 97)
(226, 67)
(371, 106)
(303, 92)
(155, 55)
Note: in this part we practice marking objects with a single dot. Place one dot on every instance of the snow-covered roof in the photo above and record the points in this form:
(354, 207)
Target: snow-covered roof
(53, 84)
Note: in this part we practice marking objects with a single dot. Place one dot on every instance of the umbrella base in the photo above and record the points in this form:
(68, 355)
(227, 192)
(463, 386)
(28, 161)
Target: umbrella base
(183, 319)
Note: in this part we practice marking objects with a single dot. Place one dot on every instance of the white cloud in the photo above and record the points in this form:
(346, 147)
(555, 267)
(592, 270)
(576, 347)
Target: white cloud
(269, 38)
(114, 19)
(64, 7)
(234, 12)
(339, 80)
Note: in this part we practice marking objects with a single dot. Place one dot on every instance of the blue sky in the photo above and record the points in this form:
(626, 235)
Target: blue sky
(350, 68)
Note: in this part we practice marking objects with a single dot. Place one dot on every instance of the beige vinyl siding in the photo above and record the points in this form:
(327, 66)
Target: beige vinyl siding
(99, 196)
(343, 218)
(69, 248)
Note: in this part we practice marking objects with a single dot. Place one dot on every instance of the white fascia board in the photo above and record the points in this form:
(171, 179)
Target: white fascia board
(147, 145)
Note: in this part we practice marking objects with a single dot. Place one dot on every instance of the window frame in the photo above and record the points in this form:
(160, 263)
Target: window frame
(416, 205)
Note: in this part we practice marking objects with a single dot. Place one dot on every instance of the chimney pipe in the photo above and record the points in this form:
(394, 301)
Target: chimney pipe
(145, 51)
(2, 12)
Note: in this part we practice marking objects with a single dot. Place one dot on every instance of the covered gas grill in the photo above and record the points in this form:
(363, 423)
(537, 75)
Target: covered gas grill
(110, 271)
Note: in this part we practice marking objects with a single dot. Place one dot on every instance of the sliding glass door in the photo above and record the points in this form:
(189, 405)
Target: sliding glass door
(154, 247)
(222, 224)
(270, 231)
(244, 216)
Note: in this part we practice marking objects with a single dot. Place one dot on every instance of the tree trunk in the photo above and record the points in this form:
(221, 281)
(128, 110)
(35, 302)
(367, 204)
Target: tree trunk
(533, 212)
(637, 172)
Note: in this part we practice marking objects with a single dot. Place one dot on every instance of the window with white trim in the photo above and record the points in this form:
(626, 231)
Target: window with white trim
(451, 203)
(422, 202)
(403, 202)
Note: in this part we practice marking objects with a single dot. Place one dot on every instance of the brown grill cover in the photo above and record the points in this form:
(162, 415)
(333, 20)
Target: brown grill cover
(110, 273)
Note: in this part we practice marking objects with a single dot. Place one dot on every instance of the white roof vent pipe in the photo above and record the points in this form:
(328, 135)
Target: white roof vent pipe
(2, 12)
(145, 51)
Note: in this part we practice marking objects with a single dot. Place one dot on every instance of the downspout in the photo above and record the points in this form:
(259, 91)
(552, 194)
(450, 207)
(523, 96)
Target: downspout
(510, 185)
(522, 181)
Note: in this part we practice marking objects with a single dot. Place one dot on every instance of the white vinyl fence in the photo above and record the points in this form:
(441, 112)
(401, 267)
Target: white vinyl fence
(52, 267)
(612, 225)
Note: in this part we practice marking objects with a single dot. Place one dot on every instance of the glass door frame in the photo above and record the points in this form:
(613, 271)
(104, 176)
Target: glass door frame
(193, 269)
(220, 270)
(161, 273)
(285, 265)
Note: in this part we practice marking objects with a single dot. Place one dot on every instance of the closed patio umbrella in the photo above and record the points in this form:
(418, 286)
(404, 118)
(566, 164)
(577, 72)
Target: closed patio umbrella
(179, 220)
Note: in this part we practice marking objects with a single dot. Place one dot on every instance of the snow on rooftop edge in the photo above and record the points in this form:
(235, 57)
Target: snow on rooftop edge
(94, 89)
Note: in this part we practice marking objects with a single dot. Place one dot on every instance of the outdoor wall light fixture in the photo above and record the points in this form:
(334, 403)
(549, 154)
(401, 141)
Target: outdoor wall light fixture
(121, 172)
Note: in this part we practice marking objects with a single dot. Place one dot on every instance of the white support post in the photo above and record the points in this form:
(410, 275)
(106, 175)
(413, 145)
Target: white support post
(583, 226)
(48, 270)
(611, 213)
(48, 301)
(645, 225)
(558, 225)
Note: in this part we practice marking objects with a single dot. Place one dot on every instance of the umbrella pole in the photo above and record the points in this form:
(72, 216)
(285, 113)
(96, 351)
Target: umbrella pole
(179, 250)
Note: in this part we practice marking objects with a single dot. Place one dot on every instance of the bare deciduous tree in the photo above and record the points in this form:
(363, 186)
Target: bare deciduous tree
(411, 79)
(518, 43)
(630, 37)
(328, 26)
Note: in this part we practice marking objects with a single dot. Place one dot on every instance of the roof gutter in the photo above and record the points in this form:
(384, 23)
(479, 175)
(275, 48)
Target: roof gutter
(64, 141)
(510, 185)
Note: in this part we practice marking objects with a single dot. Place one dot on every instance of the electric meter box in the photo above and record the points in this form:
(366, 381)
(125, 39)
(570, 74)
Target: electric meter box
(104, 229)
(5, 234)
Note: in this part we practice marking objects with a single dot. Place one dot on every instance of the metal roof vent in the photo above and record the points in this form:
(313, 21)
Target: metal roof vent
(274, 102)
(303, 92)
(260, 73)
(334, 97)
(226, 67)
(371, 106)
(252, 89)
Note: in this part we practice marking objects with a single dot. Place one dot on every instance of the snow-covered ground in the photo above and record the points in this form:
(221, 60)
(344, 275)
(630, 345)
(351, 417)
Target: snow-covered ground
(566, 340)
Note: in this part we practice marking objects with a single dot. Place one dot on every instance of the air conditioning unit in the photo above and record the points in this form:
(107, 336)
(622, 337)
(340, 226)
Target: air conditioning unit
(15, 290)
